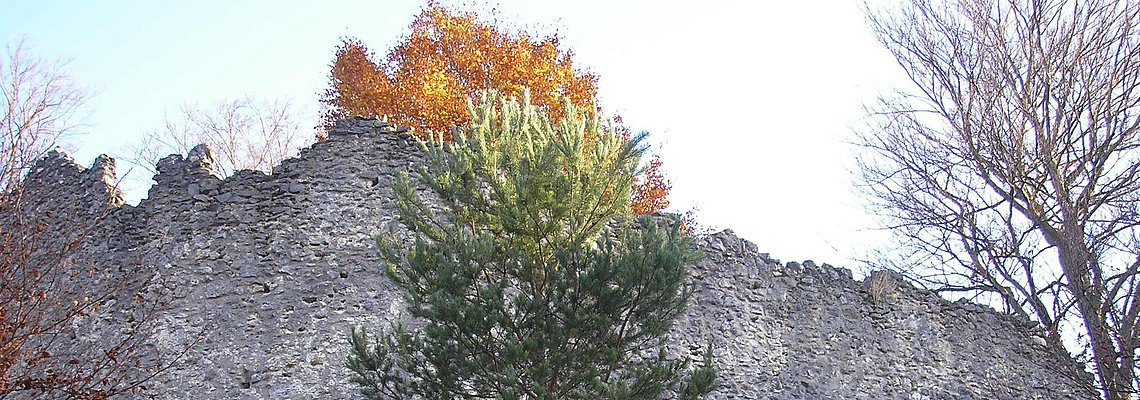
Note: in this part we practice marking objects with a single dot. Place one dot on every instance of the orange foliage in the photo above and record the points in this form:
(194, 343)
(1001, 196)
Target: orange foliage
(358, 86)
(651, 189)
(449, 57)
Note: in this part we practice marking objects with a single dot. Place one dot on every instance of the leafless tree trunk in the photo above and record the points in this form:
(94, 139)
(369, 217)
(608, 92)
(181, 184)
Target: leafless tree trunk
(1012, 169)
(244, 133)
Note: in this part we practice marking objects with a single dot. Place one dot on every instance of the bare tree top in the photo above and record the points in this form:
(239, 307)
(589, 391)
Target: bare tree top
(42, 106)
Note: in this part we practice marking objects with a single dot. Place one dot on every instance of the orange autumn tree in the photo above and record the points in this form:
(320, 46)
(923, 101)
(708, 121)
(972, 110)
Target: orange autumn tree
(448, 58)
(357, 87)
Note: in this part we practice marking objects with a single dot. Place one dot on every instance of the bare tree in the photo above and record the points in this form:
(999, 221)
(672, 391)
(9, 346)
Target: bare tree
(244, 133)
(42, 104)
(1012, 165)
(70, 329)
(51, 303)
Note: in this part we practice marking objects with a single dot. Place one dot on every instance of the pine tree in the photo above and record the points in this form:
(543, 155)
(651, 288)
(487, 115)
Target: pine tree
(531, 281)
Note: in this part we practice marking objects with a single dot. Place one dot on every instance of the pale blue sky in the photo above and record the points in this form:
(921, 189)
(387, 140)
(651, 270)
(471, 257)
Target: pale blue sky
(750, 102)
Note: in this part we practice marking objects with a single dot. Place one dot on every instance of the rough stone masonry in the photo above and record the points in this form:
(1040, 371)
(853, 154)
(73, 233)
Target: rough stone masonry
(275, 270)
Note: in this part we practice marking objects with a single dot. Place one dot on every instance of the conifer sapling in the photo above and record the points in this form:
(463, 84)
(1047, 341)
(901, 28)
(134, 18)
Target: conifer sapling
(528, 278)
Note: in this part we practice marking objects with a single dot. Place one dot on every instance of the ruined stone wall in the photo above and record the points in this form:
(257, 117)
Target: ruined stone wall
(276, 269)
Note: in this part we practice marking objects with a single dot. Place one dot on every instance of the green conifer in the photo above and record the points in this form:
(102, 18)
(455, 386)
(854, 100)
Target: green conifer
(531, 281)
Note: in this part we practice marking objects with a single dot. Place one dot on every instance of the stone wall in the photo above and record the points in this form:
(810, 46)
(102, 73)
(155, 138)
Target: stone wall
(275, 269)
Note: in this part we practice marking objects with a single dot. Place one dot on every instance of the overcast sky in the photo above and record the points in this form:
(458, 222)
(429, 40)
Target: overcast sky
(750, 103)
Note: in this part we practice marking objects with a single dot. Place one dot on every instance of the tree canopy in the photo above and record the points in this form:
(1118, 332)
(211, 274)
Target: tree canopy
(449, 57)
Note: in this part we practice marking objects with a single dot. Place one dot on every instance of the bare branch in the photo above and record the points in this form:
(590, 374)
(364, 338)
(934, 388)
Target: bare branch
(41, 105)
(244, 133)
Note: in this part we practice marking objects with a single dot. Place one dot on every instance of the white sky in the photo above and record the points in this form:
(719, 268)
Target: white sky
(751, 103)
